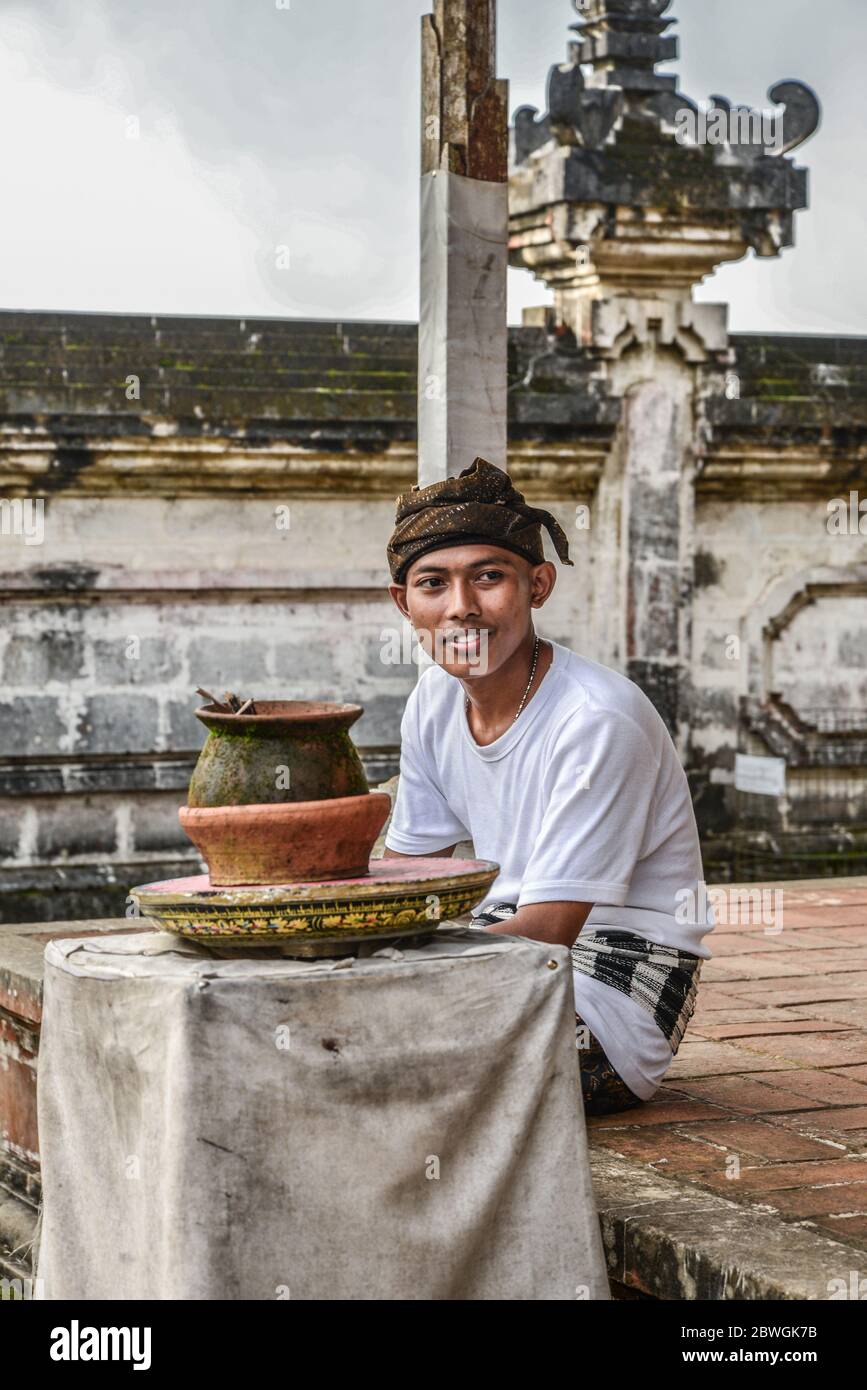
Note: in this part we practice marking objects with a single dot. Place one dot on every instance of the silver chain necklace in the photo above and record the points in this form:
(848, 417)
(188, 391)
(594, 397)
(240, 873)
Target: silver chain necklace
(529, 682)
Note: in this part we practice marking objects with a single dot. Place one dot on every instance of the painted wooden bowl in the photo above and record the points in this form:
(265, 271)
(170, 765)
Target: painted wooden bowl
(396, 898)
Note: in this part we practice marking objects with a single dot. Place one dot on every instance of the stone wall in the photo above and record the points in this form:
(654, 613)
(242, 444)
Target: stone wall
(226, 528)
(780, 632)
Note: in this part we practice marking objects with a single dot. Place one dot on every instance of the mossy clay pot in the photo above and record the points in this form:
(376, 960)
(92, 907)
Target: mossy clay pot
(289, 750)
(281, 795)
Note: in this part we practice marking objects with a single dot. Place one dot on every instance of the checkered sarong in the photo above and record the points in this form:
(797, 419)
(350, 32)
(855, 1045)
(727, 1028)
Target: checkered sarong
(662, 979)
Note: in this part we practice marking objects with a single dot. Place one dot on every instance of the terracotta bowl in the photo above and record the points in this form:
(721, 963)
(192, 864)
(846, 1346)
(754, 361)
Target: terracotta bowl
(287, 841)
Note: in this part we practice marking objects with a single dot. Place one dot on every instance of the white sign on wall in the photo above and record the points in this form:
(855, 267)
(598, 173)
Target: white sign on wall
(766, 776)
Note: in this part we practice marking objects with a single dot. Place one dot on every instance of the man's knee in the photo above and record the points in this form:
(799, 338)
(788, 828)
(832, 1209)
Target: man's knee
(603, 1088)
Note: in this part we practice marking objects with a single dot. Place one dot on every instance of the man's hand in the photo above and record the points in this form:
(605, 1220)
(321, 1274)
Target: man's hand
(559, 924)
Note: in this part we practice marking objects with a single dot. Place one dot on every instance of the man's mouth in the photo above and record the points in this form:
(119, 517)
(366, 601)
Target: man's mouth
(466, 641)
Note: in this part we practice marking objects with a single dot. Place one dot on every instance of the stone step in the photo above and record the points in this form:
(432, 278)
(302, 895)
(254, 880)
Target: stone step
(558, 406)
(295, 354)
(789, 413)
(781, 347)
(233, 403)
(244, 373)
(82, 325)
(187, 351)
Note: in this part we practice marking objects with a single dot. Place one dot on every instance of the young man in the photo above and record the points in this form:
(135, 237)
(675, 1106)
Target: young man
(557, 768)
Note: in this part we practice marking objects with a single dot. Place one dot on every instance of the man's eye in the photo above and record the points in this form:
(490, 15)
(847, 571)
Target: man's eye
(434, 580)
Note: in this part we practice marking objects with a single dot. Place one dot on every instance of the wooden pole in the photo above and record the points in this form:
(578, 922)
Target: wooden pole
(462, 340)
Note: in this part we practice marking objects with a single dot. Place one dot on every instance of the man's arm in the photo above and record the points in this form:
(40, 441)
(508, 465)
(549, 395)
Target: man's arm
(419, 810)
(557, 923)
(431, 854)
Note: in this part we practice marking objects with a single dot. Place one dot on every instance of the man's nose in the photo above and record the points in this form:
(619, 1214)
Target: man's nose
(462, 604)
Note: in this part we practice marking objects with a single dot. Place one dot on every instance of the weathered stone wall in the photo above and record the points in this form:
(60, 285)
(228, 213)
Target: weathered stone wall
(745, 552)
(779, 608)
(186, 542)
(227, 529)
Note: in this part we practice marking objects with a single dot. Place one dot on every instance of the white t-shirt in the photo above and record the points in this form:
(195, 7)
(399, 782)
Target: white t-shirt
(582, 799)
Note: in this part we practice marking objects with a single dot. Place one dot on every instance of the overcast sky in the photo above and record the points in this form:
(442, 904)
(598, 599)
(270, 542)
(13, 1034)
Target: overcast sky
(261, 127)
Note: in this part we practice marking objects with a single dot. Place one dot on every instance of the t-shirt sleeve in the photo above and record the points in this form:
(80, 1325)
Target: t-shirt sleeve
(598, 798)
(422, 820)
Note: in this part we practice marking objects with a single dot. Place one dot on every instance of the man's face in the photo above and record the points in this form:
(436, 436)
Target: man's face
(470, 604)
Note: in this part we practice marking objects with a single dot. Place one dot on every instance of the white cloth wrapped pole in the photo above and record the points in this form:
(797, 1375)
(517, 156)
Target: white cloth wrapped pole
(404, 1126)
(462, 328)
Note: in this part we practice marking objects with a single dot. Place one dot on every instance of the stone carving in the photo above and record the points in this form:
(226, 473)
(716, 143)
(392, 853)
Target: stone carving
(576, 115)
(748, 134)
(631, 34)
(803, 112)
(697, 331)
(629, 9)
(625, 187)
(528, 132)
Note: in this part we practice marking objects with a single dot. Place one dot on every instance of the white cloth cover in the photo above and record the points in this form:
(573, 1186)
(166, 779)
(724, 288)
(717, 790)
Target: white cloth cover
(407, 1125)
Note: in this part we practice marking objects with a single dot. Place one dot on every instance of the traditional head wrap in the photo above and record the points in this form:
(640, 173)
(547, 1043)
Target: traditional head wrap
(479, 505)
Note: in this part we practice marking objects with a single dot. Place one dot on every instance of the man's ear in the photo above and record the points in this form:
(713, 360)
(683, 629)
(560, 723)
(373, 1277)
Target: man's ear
(542, 580)
(398, 593)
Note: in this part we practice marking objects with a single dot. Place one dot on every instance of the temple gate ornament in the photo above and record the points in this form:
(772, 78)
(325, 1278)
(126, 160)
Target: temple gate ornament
(623, 197)
(626, 188)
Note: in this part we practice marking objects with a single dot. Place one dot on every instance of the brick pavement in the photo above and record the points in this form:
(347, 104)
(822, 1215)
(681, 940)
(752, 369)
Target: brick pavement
(765, 1102)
